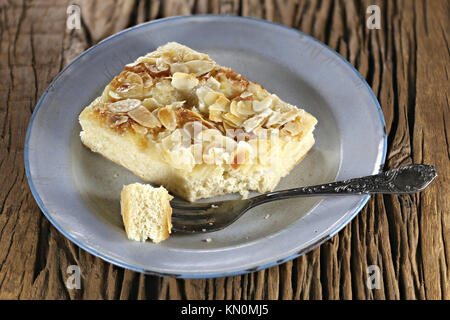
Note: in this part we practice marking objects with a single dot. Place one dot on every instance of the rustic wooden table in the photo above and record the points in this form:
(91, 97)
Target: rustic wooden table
(406, 62)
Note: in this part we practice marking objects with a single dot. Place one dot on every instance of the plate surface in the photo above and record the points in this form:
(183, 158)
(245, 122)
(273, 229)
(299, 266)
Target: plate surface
(79, 191)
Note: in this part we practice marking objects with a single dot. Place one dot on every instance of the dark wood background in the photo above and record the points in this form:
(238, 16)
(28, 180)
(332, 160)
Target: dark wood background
(406, 63)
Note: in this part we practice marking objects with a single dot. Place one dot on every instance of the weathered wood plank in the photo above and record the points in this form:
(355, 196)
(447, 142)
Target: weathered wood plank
(406, 63)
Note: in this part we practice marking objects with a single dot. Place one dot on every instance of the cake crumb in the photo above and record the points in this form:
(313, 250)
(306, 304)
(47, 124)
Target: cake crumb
(267, 216)
(244, 194)
(116, 175)
(214, 206)
(207, 240)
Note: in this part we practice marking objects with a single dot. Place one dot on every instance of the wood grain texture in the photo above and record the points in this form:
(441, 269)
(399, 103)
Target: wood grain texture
(406, 63)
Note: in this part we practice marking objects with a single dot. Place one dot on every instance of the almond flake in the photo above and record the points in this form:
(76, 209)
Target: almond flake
(124, 105)
(254, 122)
(184, 81)
(139, 129)
(215, 115)
(178, 67)
(144, 117)
(262, 105)
(199, 67)
(292, 127)
(232, 119)
(151, 104)
(168, 118)
(118, 122)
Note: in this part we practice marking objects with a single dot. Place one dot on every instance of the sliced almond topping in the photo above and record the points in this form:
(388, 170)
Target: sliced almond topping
(144, 117)
(251, 123)
(262, 105)
(133, 78)
(289, 116)
(232, 119)
(228, 126)
(229, 90)
(246, 94)
(255, 121)
(185, 138)
(178, 67)
(114, 95)
(233, 108)
(178, 139)
(274, 120)
(292, 128)
(124, 105)
(151, 104)
(215, 115)
(119, 121)
(202, 93)
(184, 81)
(133, 64)
(146, 59)
(127, 85)
(210, 134)
(210, 97)
(177, 104)
(221, 104)
(162, 64)
(168, 118)
(147, 81)
(139, 129)
(194, 128)
(157, 70)
(241, 109)
(186, 115)
(245, 108)
(199, 67)
(193, 56)
(212, 83)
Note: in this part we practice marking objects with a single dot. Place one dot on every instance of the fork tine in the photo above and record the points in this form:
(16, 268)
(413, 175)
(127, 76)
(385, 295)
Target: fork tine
(193, 223)
(191, 206)
(195, 228)
(207, 217)
(190, 213)
(196, 218)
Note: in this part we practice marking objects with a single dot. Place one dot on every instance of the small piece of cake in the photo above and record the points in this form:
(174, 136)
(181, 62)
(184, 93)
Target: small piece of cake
(146, 212)
(176, 118)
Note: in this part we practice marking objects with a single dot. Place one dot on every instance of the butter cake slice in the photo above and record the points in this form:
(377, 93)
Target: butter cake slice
(176, 118)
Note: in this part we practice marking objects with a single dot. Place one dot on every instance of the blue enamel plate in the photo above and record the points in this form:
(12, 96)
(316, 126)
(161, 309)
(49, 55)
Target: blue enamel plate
(79, 191)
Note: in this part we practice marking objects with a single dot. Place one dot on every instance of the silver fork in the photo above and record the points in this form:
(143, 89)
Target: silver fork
(213, 216)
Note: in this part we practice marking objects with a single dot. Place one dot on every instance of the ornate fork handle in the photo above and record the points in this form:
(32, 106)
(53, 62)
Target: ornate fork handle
(408, 179)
